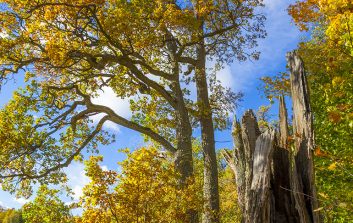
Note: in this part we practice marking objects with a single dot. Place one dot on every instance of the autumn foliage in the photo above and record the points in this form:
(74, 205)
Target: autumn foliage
(145, 190)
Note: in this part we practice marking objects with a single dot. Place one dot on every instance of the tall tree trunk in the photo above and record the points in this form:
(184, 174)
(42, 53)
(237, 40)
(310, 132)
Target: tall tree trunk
(183, 157)
(275, 180)
(210, 190)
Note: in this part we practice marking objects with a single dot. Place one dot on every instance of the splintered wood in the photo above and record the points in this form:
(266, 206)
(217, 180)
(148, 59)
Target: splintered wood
(275, 175)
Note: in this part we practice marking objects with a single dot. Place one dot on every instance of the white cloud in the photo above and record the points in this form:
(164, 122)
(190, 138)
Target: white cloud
(2, 205)
(77, 192)
(108, 98)
(21, 200)
(272, 5)
(120, 106)
(68, 203)
(225, 77)
(112, 126)
(104, 168)
(77, 178)
(109, 125)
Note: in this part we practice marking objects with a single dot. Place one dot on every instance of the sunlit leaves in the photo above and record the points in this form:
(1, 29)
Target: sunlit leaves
(276, 85)
(146, 188)
(38, 140)
(335, 14)
(46, 208)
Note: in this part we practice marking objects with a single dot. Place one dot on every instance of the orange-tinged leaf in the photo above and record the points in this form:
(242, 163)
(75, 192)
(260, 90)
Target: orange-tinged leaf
(334, 117)
(319, 153)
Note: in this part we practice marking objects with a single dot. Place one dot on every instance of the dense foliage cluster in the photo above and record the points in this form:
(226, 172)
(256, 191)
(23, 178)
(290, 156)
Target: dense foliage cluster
(146, 190)
(46, 208)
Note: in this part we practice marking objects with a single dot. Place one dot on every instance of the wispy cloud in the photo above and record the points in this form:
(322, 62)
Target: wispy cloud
(120, 106)
(21, 200)
(282, 37)
(2, 205)
(273, 5)
(108, 98)
(77, 178)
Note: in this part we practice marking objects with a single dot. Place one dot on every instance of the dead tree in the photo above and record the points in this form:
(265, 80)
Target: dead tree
(274, 171)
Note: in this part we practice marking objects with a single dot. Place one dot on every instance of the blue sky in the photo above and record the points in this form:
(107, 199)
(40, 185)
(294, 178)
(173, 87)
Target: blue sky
(282, 37)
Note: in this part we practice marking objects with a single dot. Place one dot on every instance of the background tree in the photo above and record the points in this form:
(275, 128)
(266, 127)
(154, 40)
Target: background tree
(11, 216)
(219, 36)
(146, 190)
(2, 213)
(46, 207)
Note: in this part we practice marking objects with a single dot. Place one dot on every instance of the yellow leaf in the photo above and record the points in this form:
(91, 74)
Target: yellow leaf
(332, 166)
(323, 195)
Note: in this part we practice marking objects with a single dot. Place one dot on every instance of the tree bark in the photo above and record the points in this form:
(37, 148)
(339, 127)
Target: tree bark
(303, 133)
(260, 183)
(283, 205)
(252, 171)
(210, 190)
(183, 157)
(275, 177)
(283, 124)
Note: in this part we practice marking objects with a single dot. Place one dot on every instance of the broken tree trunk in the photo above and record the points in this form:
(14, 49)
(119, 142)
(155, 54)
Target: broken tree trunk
(303, 133)
(251, 162)
(283, 205)
(274, 175)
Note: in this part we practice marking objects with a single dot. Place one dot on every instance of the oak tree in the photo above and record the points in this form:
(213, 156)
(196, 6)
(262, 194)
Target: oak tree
(144, 49)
